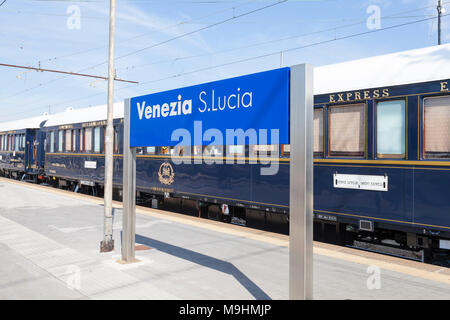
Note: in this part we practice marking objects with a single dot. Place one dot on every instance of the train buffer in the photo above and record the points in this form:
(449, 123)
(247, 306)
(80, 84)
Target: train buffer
(49, 247)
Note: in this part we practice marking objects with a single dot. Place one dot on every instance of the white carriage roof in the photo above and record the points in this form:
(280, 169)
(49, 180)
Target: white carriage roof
(412, 66)
(29, 123)
(97, 113)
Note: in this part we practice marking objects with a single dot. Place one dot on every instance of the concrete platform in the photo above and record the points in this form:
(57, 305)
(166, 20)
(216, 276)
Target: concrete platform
(49, 247)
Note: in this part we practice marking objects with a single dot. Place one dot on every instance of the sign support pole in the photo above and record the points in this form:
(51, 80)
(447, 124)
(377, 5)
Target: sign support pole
(301, 183)
(108, 243)
(129, 191)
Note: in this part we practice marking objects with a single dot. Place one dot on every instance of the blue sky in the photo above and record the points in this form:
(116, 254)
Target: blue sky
(34, 32)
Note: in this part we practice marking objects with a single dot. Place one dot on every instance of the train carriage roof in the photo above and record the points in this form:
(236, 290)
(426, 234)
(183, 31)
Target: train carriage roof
(406, 67)
(28, 123)
(96, 113)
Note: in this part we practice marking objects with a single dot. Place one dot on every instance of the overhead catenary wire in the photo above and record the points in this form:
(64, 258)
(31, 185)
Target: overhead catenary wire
(129, 68)
(220, 22)
(284, 51)
(201, 55)
(39, 69)
(154, 31)
(166, 41)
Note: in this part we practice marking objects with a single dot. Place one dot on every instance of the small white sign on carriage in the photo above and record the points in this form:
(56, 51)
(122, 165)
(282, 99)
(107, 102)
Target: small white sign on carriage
(361, 182)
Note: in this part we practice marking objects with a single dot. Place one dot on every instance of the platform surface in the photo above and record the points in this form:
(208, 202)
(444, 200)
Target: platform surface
(49, 246)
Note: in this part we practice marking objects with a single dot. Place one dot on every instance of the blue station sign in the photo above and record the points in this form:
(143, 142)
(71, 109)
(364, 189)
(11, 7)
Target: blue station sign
(252, 102)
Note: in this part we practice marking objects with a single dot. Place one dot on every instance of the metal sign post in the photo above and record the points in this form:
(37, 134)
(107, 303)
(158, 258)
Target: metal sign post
(267, 100)
(129, 191)
(301, 183)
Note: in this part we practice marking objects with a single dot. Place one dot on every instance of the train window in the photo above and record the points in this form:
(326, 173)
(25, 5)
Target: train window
(60, 140)
(391, 128)
(151, 150)
(1, 142)
(238, 150)
(213, 150)
(74, 140)
(23, 142)
(88, 139)
(318, 132)
(347, 130)
(285, 150)
(68, 140)
(52, 141)
(164, 150)
(116, 140)
(17, 143)
(436, 133)
(97, 139)
(81, 140)
(196, 150)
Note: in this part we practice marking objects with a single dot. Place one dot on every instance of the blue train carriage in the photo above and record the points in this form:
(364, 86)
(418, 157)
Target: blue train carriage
(75, 144)
(382, 147)
(22, 148)
(75, 159)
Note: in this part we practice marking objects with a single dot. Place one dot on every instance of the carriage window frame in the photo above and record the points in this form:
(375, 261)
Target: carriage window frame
(265, 150)
(319, 154)
(405, 128)
(80, 140)
(52, 141)
(344, 154)
(218, 150)
(88, 139)
(68, 146)
(17, 142)
(197, 150)
(423, 129)
(286, 150)
(150, 150)
(116, 140)
(74, 140)
(96, 148)
(237, 153)
(61, 140)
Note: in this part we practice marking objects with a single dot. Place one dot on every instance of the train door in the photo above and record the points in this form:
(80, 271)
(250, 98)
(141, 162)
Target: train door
(31, 149)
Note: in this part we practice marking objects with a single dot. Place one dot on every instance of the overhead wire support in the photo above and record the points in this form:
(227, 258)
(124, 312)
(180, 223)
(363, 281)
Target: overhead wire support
(439, 9)
(39, 69)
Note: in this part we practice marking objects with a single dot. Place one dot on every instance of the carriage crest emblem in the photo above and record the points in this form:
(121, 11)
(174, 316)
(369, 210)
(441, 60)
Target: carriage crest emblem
(166, 175)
